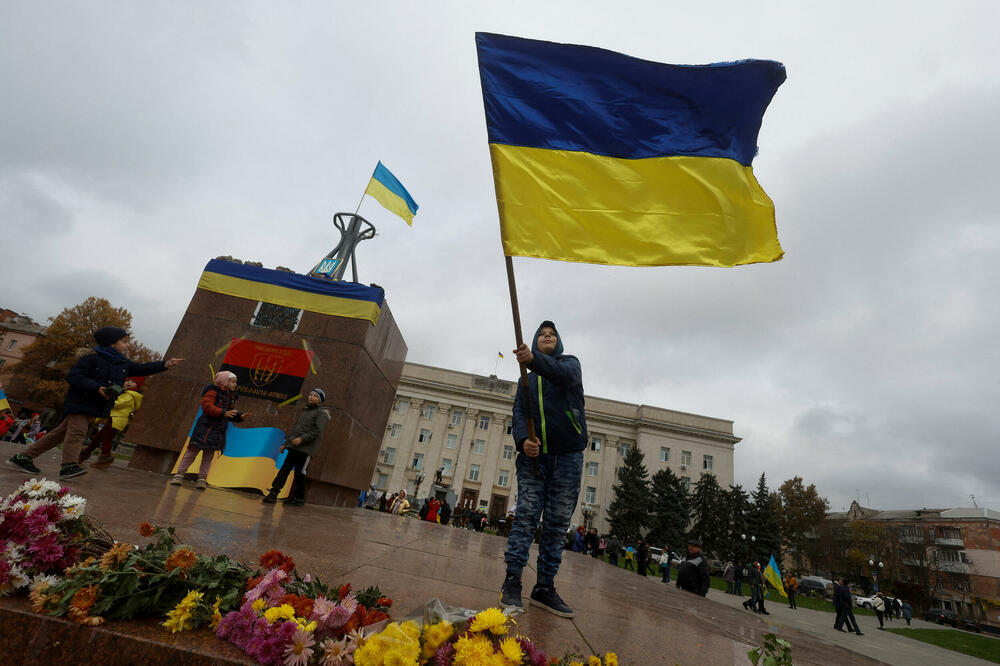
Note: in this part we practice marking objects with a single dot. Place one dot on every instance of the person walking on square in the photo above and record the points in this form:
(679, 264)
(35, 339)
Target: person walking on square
(94, 381)
(218, 402)
(641, 557)
(843, 605)
(879, 605)
(630, 558)
(791, 585)
(729, 575)
(738, 580)
(692, 573)
(127, 404)
(549, 465)
(907, 610)
(665, 564)
(301, 443)
(614, 549)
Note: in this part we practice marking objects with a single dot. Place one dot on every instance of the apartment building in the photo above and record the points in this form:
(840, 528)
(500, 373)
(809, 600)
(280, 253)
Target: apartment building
(944, 558)
(460, 424)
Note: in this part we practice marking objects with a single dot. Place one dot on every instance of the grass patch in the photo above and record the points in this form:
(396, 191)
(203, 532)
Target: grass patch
(965, 642)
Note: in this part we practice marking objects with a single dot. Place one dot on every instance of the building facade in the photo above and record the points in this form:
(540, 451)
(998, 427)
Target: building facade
(460, 424)
(16, 334)
(941, 558)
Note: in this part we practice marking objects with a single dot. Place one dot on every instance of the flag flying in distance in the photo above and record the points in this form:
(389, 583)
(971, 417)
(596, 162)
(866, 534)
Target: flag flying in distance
(499, 355)
(388, 191)
(604, 158)
(773, 576)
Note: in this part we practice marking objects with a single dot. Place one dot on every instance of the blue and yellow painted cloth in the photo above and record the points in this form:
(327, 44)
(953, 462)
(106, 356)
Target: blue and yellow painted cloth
(388, 191)
(341, 299)
(251, 459)
(604, 158)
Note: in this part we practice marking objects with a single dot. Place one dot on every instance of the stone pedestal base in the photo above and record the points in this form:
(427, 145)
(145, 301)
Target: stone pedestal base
(358, 365)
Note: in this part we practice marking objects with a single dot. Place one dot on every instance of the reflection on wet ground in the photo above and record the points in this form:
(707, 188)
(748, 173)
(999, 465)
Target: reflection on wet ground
(641, 619)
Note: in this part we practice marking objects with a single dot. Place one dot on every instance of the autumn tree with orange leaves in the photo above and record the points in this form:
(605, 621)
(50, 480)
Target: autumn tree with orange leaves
(41, 372)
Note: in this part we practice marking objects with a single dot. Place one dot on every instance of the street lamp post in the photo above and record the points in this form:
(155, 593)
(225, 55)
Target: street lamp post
(748, 546)
(876, 568)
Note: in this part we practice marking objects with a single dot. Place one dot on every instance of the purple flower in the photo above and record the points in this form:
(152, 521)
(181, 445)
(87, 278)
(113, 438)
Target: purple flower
(444, 655)
(535, 656)
(46, 550)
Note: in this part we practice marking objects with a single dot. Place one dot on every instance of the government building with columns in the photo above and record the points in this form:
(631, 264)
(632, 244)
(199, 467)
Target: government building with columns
(460, 423)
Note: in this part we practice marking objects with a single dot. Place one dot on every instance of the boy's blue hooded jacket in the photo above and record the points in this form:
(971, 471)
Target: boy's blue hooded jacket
(560, 423)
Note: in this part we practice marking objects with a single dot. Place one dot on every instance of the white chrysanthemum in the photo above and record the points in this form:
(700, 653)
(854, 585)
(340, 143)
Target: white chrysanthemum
(18, 577)
(72, 500)
(73, 511)
(43, 579)
(37, 488)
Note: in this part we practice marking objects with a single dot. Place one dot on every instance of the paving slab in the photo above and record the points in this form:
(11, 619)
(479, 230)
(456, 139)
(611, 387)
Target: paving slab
(641, 619)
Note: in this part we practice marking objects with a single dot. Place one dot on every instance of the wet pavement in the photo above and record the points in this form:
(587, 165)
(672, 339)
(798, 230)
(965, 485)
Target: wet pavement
(641, 619)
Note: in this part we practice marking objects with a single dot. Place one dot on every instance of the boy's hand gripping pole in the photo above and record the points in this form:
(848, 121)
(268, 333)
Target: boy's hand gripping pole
(519, 338)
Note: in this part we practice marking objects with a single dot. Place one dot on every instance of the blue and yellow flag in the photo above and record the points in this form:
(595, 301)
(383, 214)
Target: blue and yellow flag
(773, 576)
(340, 299)
(604, 158)
(388, 191)
(4, 404)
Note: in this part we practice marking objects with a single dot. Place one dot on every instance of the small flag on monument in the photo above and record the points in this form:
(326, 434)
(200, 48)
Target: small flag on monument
(388, 191)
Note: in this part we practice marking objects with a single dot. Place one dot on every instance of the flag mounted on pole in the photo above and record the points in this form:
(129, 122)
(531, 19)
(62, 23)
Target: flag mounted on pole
(603, 158)
(388, 191)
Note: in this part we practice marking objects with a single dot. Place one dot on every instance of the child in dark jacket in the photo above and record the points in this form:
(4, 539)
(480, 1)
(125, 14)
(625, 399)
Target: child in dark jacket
(94, 382)
(218, 409)
(549, 465)
(301, 442)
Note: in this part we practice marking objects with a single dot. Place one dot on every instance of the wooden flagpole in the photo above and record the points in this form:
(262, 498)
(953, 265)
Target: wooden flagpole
(519, 338)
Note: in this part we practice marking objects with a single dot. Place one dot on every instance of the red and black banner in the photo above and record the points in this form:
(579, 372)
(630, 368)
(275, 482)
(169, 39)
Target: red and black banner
(267, 372)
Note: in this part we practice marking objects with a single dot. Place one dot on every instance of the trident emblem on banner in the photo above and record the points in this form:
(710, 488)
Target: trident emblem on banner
(265, 369)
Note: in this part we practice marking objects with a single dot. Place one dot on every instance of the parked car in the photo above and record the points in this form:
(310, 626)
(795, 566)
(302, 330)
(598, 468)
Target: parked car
(969, 624)
(716, 567)
(811, 587)
(869, 602)
(941, 616)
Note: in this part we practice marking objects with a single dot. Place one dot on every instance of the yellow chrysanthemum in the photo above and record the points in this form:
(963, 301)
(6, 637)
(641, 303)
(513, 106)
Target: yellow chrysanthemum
(258, 605)
(282, 612)
(434, 636)
(474, 651)
(512, 650)
(593, 661)
(397, 644)
(576, 663)
(611, 659)
(216, 614)
(305, 624)
(191, 600)
(411, 629)
(179, 619)
(491, 619)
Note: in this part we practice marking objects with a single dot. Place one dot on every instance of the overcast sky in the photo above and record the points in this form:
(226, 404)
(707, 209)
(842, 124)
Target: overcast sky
(140, 140)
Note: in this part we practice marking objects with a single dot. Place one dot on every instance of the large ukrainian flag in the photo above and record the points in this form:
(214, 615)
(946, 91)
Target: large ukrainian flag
(603, 158)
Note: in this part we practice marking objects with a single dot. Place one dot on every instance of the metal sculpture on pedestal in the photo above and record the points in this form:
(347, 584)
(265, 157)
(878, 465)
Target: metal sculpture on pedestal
(353, 229)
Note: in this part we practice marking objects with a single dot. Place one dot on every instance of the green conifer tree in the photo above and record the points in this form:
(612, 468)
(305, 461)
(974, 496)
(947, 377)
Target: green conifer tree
(629, 510)
(763, 523)
(708, 513)
(668, 519)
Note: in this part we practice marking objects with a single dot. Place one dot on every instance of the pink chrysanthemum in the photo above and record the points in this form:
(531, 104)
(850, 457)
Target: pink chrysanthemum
(300, 650)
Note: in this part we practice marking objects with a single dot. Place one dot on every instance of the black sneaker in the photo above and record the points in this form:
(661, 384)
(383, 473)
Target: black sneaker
(270, 498)
(69, 470)
(291, 501)
(510, 592)
(24, 462)
(547, 598)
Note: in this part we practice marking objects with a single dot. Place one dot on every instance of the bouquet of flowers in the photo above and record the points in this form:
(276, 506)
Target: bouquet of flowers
(290, 619)
(42, 532)
(129, 581)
